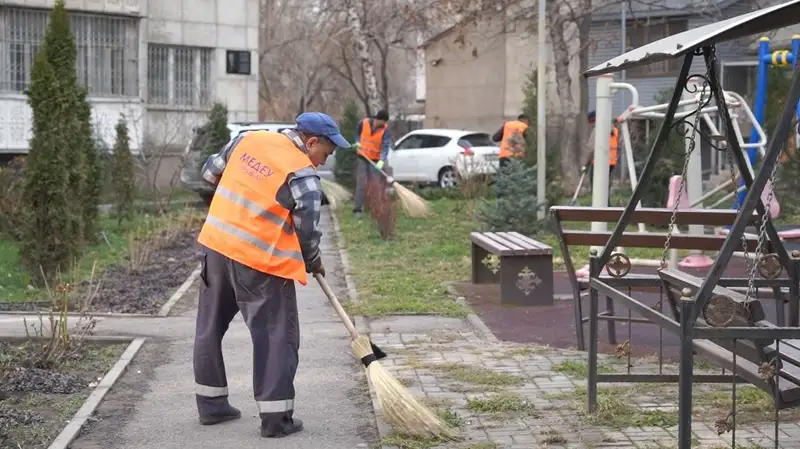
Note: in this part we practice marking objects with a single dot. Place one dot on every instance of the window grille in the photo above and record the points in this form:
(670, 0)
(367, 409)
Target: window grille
(179, 75)
(107, 50)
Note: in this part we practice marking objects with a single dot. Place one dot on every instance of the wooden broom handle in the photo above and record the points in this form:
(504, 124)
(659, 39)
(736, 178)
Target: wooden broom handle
(389, 179)
(336, 305)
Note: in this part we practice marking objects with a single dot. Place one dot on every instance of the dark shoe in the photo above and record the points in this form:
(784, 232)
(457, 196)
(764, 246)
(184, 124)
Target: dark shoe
(229, 415)
(283, 429)
(357, 212)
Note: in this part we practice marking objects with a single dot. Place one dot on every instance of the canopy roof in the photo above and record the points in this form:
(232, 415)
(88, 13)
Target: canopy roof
(766, 19)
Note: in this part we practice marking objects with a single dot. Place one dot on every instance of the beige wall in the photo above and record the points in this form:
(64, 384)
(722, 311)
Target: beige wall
(464, 91)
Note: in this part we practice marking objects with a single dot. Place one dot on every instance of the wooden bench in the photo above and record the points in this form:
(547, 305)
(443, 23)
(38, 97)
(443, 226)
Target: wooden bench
(522, 266)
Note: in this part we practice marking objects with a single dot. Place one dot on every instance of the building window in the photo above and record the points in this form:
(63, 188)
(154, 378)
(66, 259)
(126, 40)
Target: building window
(179, 76)
(107, 50)
(643, 32)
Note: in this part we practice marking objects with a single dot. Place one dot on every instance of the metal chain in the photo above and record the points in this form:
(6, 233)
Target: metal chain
(733, 170)
(762, 235)
(681, 186)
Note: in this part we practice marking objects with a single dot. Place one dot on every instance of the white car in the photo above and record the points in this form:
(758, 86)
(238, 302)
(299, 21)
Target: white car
(442, 156)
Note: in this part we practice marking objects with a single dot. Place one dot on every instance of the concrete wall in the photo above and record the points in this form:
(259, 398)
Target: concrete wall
(478, 80)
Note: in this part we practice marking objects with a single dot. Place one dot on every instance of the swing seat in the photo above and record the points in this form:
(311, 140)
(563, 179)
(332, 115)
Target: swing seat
(750, 354)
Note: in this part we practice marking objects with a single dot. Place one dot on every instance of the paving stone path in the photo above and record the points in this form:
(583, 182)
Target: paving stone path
(516, 396)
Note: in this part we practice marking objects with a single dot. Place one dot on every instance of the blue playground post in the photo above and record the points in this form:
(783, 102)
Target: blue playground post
(782, 58)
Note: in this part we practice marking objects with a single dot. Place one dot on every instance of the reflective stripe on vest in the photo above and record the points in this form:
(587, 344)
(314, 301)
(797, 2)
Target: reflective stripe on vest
(510, 130)
(370, 143)
(245, 222)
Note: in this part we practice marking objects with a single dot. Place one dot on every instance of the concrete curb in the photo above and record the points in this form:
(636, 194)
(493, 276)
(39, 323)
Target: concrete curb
(164, 311)
(362, 325)
(474, 320)
(73, 428)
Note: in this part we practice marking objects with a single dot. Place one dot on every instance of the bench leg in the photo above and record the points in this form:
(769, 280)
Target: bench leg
(485, 266)
(526, 280)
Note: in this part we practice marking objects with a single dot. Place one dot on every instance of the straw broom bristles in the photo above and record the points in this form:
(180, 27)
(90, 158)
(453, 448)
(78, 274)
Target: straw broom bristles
(399, 407)
(413, 205)
(336, 194)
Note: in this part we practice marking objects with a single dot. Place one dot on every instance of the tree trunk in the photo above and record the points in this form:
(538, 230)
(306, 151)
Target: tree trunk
(570, 109)
(361, 46)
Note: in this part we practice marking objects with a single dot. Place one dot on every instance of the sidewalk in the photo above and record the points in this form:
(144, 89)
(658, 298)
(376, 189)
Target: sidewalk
(331, 388)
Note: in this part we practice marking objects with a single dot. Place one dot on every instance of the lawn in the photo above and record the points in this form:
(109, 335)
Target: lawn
(114, 243)
(407, 275)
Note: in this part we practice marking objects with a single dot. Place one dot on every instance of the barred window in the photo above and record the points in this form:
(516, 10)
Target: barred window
(178, 75)
(107, 50)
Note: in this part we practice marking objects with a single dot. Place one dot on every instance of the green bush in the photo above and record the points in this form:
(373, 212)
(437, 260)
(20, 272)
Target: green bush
(49, 238)
(217, 131)
(11, 189)
(344, 169)
(515, 205)
(122, 174)
(93, 170)
(60, 50)
(554, 189)
(670, 164)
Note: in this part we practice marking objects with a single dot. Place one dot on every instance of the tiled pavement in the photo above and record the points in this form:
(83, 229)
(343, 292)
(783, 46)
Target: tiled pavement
(458, 372)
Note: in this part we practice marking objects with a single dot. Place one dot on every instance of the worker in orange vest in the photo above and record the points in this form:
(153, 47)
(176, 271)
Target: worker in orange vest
(512, 139)
(372, 142)
(260, 236)
(613, 147)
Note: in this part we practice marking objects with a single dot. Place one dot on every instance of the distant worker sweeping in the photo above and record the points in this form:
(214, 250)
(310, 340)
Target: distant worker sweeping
(261, 235)
(373, 141)
(512, 139)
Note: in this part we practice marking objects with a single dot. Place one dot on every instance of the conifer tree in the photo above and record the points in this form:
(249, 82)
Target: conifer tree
(122, 173)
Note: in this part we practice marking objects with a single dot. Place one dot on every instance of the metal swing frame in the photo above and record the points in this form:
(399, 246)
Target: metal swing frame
(687, 311)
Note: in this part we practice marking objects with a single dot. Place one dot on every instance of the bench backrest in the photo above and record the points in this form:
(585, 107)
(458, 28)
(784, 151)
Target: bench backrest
(650, 215)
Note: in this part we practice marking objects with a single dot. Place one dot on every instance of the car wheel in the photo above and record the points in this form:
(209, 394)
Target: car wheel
(207, 197)
(448, 178)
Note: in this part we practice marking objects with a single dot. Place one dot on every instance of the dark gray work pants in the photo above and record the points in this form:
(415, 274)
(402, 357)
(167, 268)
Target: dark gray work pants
(365, 172)
(269, 308)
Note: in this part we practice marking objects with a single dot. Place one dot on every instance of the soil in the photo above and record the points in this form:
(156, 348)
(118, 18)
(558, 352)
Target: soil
(142, 291)
(37, 399)
(555, 325)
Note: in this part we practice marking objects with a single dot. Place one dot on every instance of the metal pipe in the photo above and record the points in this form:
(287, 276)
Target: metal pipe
(686, 371)
(541, 105)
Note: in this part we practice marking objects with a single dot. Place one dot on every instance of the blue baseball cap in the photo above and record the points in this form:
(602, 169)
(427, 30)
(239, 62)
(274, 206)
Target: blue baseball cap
(321, 125)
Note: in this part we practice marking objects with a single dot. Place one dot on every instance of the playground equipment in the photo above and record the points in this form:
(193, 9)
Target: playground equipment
(766, 59)
(692, 196)
(711, 320)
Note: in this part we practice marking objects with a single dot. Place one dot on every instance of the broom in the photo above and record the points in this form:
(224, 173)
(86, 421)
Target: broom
(413, 205)
(398, 406)
(335, 193)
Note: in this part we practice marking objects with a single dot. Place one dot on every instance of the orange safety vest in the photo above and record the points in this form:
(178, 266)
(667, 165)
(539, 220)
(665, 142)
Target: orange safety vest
(613, 148)
(510, 129)
(245, 221)
(370, 142)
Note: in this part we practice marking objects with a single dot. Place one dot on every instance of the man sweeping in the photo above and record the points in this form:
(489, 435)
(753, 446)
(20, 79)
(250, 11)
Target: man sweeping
(372, 143)
(260, 236)
(512, 139)
(613, 147)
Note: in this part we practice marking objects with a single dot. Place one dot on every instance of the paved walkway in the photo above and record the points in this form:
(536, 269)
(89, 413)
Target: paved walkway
(514, 396)
(329, 383)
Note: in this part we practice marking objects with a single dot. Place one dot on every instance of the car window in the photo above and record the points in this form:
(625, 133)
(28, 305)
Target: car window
(476, 140)
(413, 141)
(431, 141)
